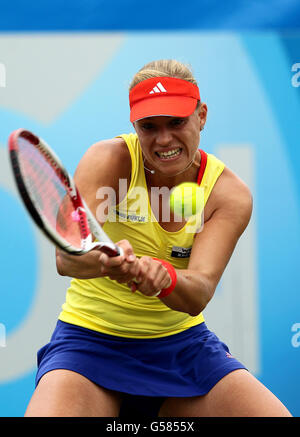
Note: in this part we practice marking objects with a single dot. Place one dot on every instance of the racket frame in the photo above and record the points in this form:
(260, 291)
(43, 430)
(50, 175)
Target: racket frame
(88, 224)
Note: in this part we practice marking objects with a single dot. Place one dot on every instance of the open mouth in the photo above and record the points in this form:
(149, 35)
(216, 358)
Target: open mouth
(170, 154)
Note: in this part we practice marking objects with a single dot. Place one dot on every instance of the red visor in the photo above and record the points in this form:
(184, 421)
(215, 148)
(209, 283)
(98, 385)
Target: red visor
(163, 96)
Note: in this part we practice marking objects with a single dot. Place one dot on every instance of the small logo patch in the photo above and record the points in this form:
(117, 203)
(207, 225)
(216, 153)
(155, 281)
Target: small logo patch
(181, 252)
(131, 217)
(159, 88)
(228, 355)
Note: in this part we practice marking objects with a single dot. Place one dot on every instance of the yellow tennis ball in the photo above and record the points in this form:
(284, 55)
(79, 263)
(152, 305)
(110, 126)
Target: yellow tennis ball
(186, 199)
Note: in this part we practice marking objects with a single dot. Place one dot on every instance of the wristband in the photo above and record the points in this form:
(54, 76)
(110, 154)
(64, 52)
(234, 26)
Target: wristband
(173, 275)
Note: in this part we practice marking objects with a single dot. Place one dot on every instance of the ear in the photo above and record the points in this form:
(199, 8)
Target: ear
(202, 115)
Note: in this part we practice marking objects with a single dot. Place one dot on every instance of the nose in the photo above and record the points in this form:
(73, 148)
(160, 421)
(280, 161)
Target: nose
(164, 136)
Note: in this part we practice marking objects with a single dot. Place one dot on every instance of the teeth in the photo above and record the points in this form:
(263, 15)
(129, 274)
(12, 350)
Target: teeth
(169, 154)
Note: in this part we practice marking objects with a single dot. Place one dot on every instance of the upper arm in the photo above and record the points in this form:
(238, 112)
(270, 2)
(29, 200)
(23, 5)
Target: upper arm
(214, 245)
(101, 168)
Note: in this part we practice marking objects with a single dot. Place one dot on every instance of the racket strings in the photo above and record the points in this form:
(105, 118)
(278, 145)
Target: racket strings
(79, 213)
(48, 189)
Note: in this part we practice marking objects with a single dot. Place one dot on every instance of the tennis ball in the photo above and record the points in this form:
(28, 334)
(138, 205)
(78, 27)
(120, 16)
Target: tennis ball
(187, 199)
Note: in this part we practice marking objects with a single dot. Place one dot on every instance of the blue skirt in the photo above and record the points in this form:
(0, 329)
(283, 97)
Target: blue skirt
(186, 364)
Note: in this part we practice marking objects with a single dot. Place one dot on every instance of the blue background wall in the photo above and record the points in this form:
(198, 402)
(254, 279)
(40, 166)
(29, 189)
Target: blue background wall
(66, 69)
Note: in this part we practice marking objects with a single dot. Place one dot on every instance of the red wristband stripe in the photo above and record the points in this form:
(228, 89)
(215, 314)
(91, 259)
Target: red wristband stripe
(173, 275)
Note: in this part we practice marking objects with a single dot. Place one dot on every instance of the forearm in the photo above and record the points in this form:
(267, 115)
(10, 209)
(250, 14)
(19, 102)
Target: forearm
(191, 294)
(96, 264)
(85, 266)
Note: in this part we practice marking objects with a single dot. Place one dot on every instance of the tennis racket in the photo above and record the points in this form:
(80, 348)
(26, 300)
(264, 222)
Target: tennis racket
(52, 198)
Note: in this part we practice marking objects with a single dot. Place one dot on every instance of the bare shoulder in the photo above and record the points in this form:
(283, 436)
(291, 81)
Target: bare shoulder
(232, 198)
(104, 163)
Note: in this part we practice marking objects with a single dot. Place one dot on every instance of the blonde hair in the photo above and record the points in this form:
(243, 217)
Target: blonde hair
(163, 67)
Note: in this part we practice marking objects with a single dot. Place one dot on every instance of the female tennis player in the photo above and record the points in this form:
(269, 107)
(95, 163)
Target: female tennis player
(133, 324)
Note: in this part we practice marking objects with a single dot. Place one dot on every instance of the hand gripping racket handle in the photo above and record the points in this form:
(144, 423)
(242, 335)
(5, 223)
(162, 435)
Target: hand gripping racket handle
(110, 250)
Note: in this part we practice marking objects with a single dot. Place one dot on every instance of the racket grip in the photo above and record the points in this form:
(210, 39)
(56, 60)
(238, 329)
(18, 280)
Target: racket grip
(112, 251)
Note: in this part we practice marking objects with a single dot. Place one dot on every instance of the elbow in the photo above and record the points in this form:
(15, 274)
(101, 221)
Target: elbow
(200, 304)
(196, 309)
(60, 271)
(194, 312)
(60, 268)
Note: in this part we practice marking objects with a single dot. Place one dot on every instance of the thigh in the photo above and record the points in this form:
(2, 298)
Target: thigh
(63, 393)
(238, 394)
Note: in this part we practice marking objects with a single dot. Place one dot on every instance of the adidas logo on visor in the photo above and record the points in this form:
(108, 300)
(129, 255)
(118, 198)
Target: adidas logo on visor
(158, 89)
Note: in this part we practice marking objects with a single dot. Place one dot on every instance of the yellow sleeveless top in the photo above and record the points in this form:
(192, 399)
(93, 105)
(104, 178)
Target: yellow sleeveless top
(106, 306)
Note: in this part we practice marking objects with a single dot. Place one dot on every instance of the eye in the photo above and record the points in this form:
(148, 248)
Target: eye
(176, 122)
(147, 126)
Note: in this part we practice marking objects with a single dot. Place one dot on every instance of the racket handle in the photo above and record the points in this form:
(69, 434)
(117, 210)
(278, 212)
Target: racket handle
(111, 251)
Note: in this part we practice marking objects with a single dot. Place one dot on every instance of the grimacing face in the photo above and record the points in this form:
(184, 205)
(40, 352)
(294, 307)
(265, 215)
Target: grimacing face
(170, 143)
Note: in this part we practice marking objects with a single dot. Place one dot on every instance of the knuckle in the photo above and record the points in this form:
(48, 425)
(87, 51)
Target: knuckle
(121, 241)
(163, 269)
(117, 261)
(103, 270)
(144, 267)
(125, 268)
(124, 244)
